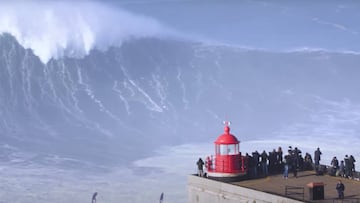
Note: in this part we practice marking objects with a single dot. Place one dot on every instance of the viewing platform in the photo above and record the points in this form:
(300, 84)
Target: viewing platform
(274, 188)
(298, 188)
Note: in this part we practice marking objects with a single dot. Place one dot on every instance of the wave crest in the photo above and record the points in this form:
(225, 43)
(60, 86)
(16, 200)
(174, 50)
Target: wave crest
(54, 30)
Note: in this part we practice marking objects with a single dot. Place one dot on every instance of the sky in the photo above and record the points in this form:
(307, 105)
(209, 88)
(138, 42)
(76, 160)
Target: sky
(51, 31)
(274, 25)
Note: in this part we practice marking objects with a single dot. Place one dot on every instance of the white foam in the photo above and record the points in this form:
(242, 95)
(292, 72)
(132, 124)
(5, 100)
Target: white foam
(54, 30)
(310, 49)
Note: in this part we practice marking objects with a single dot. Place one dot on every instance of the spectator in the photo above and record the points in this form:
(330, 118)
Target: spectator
(352, 165)
(93, 200)
(342, 169)
(308, 162)
(317, 155)
(200, 164)
(334, 166)
(347, 166)
(264, 158)
(286, 166)
(256, 157)
(340, 189)
(279, 155)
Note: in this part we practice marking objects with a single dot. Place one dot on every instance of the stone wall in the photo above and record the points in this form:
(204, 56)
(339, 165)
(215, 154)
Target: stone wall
(203, 190)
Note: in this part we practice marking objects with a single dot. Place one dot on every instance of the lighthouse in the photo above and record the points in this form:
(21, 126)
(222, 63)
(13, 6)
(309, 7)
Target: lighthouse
(228, 163)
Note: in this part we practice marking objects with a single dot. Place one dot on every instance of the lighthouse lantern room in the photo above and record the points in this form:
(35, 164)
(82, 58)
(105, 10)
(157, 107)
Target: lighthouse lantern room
(228, 161)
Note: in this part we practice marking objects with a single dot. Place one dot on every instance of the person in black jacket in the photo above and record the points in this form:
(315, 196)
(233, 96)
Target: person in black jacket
(93, 199)
(200, 164)
(340, 187)
(317, 155)
(264, 166)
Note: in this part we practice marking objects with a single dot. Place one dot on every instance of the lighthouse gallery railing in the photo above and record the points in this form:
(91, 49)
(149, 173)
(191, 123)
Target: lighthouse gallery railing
(227, 165)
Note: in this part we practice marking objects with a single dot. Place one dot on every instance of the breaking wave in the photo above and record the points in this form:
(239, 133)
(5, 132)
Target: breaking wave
(54, 30)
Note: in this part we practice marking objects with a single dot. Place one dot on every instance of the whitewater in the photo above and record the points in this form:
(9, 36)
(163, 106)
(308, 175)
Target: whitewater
(58, 29)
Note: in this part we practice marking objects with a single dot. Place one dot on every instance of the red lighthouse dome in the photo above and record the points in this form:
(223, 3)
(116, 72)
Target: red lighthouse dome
(227, 138)
(228, 161)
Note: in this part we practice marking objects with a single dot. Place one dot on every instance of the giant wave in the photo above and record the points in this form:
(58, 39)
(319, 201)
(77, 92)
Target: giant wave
(97, 107)
(57, 29)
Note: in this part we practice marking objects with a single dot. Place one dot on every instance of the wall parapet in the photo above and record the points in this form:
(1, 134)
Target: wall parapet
(204, 190)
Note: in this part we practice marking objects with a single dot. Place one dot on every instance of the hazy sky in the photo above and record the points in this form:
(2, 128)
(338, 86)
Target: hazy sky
(261, 24)
(54, 29)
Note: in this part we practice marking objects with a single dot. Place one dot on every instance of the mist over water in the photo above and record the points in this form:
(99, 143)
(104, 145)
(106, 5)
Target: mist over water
(107, 97)
(57, 29)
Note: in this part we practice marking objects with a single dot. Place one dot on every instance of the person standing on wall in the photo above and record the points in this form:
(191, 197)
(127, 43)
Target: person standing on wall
(200, 164)
(334, 166)
(352, 166)
(317, 155)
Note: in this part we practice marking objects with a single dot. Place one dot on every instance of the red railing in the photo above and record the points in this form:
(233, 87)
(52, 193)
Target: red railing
(227, 164)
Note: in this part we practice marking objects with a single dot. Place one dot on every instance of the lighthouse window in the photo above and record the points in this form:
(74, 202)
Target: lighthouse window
(232, 149)
(223, 149)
